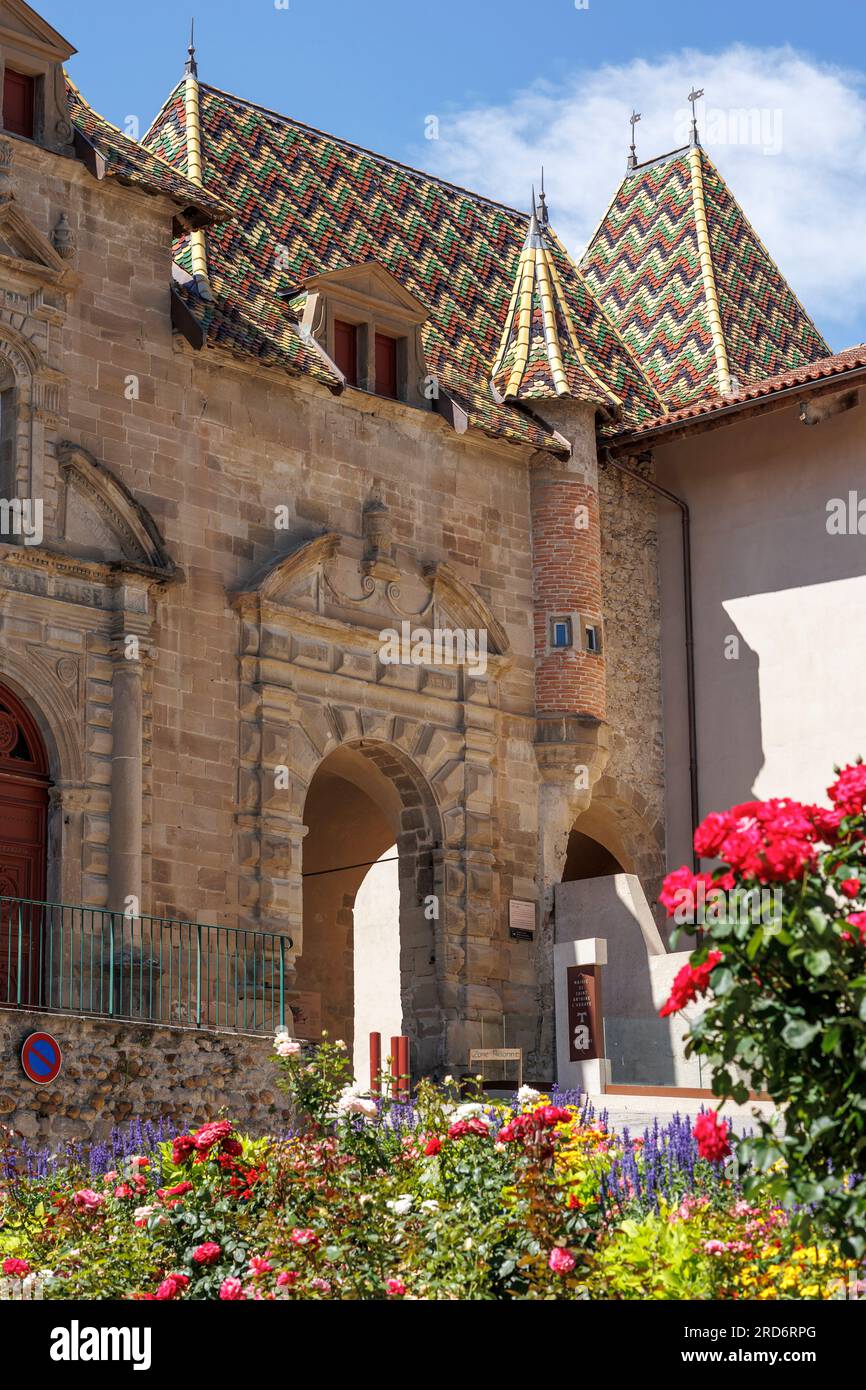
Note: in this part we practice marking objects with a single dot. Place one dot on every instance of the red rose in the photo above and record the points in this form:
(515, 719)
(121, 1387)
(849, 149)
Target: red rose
(210, 1134)
(207, 1254)
(848, 792)
(395, 1288)
(181, 1148)
(711, 1132)
(462, 1128)
(689, 982)
(850, 887)
(433, 1146)
(179, 1190)
(16, 1269)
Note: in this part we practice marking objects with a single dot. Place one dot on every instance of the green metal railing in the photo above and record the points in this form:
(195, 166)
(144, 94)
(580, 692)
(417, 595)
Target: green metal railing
(83, 960)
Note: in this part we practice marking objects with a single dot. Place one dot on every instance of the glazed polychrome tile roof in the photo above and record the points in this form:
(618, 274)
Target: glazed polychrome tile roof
(690, 286)
(130, 162)
(850, 363)
(325, 205)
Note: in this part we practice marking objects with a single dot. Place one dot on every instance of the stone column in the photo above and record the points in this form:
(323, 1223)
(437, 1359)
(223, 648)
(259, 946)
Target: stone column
(131, 629)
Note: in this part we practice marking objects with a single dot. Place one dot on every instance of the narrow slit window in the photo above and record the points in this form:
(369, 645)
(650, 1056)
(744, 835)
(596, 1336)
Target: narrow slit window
(593, 638)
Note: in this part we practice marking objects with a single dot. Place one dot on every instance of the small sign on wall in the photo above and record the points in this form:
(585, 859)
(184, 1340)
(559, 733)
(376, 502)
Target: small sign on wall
(521, 919)
(584, 1013)
(41, 1058)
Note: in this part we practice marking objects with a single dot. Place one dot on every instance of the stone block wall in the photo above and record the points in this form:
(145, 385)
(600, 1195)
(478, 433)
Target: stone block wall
(115, 1071)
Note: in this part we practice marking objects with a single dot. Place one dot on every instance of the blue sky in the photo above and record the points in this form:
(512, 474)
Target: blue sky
(515, 82)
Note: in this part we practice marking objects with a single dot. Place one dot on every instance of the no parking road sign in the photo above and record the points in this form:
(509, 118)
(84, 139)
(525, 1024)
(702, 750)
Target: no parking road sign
(41, 1058)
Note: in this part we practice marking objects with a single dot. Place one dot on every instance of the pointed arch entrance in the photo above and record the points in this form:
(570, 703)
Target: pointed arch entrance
(24, 783)
(371, 955)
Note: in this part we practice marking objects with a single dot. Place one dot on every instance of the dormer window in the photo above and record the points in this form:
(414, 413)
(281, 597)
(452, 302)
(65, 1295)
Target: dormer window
(32, 55)
(369, 325)
(19, 103)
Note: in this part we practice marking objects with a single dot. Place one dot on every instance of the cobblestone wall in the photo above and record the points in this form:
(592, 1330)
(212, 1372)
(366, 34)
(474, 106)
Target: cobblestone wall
(114, 1071)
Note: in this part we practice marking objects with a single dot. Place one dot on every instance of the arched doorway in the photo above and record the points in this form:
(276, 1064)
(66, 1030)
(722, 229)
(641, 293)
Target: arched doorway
(368, 958)
(24, 783)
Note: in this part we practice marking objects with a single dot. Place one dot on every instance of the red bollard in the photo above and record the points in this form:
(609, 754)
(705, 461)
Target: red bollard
(395, 1068)
(375, 1063)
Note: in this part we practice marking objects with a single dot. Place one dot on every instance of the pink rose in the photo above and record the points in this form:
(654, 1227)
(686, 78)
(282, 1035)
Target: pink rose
(395, 1288)
(560, 1261)
(231, 1290)
(87, 1200)
(16, 1269)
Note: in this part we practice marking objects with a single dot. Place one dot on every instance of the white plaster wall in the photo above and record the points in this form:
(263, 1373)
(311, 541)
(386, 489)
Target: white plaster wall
(377, 960)
(773, 721)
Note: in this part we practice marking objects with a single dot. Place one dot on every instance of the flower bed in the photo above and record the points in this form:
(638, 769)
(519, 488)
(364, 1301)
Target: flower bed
(444, 1198)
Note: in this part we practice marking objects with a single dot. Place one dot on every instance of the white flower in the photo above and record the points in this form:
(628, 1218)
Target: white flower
(402, 1205)
(285, 1046)
(430, 1204)
(340, 1043)
(448, 1081)
(527, 1096)
(469, 1110)
(351, 1104)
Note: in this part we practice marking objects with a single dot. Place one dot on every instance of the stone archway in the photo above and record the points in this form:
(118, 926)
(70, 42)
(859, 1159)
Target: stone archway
(363, 798)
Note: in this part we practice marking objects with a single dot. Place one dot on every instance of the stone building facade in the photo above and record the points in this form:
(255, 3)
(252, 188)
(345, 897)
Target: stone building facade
(232, 516)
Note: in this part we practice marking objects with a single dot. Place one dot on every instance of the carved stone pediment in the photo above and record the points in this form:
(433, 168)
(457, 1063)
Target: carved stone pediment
(328, 581)
(369, 285)
(101, 520)
(25, 254)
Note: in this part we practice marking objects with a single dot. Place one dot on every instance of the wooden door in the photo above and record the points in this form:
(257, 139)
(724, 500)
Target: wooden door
(24, 785)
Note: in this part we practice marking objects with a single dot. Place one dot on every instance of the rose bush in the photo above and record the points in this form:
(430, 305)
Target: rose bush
(785, 987)
(449, 1197)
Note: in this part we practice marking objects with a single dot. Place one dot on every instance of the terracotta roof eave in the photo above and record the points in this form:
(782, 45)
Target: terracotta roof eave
(704, 415)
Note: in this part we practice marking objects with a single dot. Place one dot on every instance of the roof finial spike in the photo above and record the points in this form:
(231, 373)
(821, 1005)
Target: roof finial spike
(694, 95)
(542, 199)
(632, 159)
(191, 65)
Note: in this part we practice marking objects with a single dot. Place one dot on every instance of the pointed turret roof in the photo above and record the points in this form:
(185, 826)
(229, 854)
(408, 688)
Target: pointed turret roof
(556, 341)
(693, 291)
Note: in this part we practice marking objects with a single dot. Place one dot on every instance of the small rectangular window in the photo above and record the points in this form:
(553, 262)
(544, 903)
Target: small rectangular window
(18, 102)
(346, 350)
(386, 366)
(593, 638)
(560, 632)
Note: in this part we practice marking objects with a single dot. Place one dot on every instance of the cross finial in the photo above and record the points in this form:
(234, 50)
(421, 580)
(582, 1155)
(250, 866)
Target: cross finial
(694, 95)
(633, 120)
(191, 65)
(542, 199)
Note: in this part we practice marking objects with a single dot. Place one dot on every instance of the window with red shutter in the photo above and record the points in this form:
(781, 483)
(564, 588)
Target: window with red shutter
(346, 350)
(386, 366)
(18, 91)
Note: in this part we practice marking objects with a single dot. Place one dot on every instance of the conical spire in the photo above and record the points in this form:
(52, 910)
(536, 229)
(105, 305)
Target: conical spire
(192, 111)
(539, 352)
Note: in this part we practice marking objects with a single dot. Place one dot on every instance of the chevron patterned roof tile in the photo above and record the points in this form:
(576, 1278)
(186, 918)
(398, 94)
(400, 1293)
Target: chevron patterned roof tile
(327, 205)
(644, 264)
(127, 160)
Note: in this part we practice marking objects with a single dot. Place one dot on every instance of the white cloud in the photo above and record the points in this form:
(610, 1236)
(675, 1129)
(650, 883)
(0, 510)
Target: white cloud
(797, 165)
